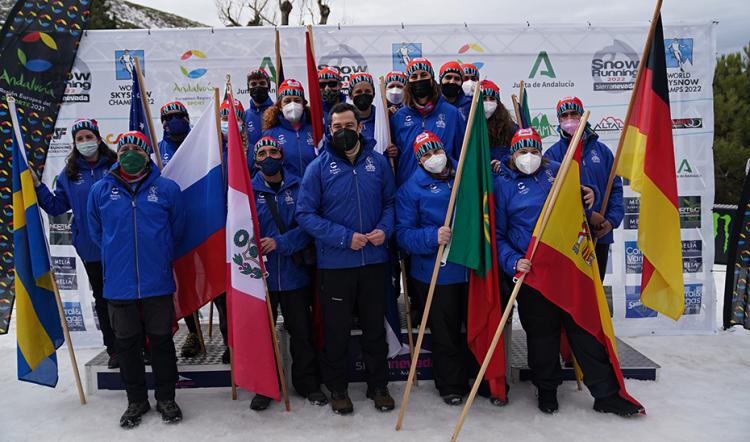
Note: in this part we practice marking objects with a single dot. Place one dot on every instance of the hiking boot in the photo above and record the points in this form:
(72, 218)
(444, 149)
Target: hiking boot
(169, 410)
(260, 402)
(112, 362)
(225, 359)
(317, 398)
(453, 399)
(381, 397)
(496, 401)
(132, 416)
(547, 401)
(192, 346)
(340, 402)
(618, 405)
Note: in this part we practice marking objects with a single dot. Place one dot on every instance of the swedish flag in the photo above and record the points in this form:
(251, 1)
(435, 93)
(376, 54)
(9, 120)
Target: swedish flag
(38, 327)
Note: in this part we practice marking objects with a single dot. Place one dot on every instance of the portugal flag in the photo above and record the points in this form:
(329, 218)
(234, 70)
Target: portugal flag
(473, 245)
(647, 160)
(565, 246)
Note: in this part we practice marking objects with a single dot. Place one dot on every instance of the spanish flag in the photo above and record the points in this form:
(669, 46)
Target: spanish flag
(38, 329)
(647, 160)
(566, 246)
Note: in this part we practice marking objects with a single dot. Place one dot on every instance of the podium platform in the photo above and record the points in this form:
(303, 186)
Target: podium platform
(206, 370)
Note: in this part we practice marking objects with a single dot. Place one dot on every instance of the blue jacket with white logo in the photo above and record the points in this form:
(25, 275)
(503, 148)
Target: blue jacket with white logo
(597, 161)
(167, 149)
(254, 125)
(138, 231)
(421, 205)
(283, 273)
(463, 105)
(338, 199)
(368, 125)
(444, 121)
(327, 109)
(73, 194)
(298, 145)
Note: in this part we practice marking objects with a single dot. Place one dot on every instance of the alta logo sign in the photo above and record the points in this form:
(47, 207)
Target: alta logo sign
(609, 124)
(542, 67)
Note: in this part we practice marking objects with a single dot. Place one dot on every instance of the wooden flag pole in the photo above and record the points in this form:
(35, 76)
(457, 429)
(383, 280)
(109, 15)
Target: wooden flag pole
(641, 68)
(506, 313)
(278, 61)
(312, 44)
(147, 108)
(200, 332)
(516, 110)
(404, 276)
(231, 372)
(276, 351)
(210, 320)
(221, 158)
(58, 300)
(436, 268)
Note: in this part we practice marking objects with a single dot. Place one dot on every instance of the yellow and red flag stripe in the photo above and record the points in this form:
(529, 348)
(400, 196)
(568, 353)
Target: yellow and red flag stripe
(647, 160)
(566, 246)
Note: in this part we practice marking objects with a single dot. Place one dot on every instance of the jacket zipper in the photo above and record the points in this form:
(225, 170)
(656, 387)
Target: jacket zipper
(135, 231)
(278, 255)
(359, 209)
(299, 154)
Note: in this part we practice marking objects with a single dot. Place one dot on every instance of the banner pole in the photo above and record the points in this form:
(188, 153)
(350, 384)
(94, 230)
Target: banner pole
(404, 276)
(436, 268)
(562, 172)
(147, 108)
(641, 67)
(516, 111)
(210, 320)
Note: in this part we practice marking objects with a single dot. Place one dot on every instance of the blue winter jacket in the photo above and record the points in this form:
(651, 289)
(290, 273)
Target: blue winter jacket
(167, 149)
(338, 199)
(444, 121)
(463, 105)
(254, 124)
(298, 145)
(368, 125)
(597, 161)
(138, 232)
(519, 200)
(421, 205)
(74, 194)
(327, 110)
(283, 273)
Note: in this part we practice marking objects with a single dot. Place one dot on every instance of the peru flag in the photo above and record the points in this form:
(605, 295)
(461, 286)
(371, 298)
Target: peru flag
(199, 263)
(253, 360)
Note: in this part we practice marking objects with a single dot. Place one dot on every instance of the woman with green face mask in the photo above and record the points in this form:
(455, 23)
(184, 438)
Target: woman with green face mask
(136, 218)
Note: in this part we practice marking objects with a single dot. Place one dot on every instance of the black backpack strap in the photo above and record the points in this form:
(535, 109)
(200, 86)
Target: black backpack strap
(271, 202)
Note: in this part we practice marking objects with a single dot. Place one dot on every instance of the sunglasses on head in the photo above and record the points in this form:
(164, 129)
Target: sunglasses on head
(333, 84)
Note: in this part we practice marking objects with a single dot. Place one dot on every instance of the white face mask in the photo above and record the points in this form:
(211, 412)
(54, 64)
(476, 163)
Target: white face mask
(489, 108)
(292, 111)
(224, 127)
(436, 163)
(87, 148)
(528, 163)
(468, 87)
(395, 95)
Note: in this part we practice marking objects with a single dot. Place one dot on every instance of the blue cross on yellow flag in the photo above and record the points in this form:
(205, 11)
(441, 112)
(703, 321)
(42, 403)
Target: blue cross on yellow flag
(38, 327)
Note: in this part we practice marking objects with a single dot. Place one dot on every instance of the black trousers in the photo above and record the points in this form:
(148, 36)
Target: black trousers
(602, 256)
(96, 279)
(190, 322)
(130, 319)
(343, 292)
(542, 320)
(450, 351)
(296, 306)
(221, 306)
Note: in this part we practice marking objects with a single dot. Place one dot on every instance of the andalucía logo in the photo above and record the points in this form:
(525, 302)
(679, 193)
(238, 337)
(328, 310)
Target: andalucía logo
(609, 124)
(542, 125)
(471, 48)
(403, 52)
(686, 170)
(197, 72)
(542, 67)
(615, 67)
(36, 64)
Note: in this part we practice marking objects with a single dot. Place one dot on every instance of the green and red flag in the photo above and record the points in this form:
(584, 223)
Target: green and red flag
(523, 110)
(473, 245)
(647, 160)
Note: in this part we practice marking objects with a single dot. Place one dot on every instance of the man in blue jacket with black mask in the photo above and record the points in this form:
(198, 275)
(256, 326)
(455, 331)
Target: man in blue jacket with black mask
(176, 122)
(284, 245)
(347, 204)
(136, 217)
(596, 164)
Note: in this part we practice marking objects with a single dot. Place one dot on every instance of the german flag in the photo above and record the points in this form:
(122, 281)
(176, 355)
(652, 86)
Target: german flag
(647, 160)
(565, 245)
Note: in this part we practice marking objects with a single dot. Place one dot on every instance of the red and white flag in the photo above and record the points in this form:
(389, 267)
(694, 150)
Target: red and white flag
(253, 359)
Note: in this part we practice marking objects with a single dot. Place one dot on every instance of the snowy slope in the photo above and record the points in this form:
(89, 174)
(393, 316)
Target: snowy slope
(701, 395)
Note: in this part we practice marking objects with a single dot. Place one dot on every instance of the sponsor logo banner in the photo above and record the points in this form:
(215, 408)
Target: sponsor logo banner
(634, 308)
(693, 299)
(690, 212)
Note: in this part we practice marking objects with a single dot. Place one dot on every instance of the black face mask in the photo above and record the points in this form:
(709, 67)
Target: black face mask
(421, 88)
(450, 90)
(330, 97)
(363, 102)
(344, 140)
(259, 94)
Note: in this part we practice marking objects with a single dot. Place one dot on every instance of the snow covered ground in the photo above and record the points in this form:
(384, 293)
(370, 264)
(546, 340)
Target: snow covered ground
(701, 395)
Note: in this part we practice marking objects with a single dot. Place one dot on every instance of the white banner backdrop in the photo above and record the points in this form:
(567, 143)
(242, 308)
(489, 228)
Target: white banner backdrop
(596, 63)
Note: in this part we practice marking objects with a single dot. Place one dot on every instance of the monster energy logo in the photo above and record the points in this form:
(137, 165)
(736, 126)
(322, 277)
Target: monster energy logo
(548, 71)
(727, 219)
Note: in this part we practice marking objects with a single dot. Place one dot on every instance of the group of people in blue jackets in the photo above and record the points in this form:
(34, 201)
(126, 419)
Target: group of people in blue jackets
(330, 217)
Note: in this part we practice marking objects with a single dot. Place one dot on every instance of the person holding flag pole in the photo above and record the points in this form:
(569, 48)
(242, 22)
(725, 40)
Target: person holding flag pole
(39, 331)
